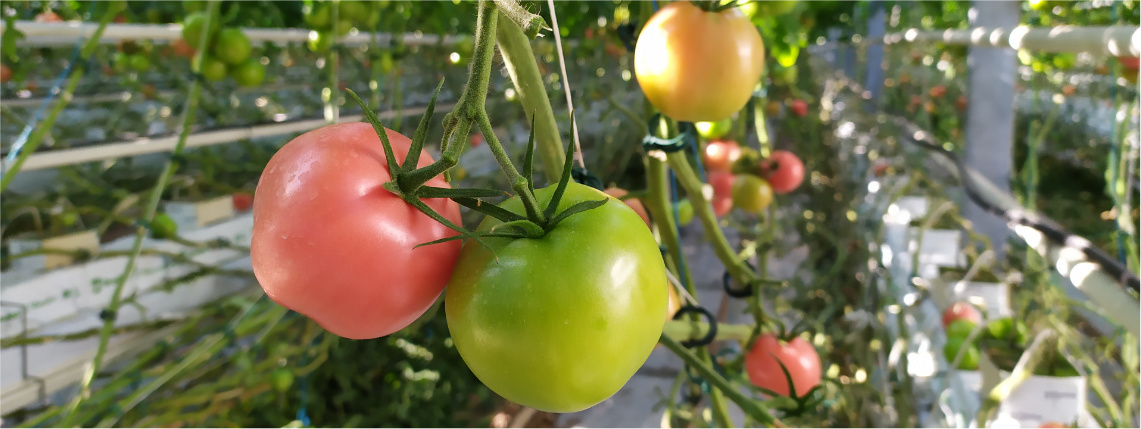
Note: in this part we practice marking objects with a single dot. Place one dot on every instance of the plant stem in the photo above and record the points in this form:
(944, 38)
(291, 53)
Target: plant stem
(524, 71)
(748, 405)
(690, 330)
(704, 211)
(37, 136)
(530, 24)
(148, 215)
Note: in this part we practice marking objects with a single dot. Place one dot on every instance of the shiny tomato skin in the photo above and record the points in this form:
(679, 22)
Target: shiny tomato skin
(962, 311)
(698, 66)
(751, 193)
(560, 323)
(783, 170)
(330, 242)
(634, 203)
(798, 356)
(720, 155)
(722, 205)
(722, 183)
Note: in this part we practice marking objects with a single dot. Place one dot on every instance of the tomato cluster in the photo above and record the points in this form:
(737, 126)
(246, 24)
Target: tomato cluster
(752, 190)
(228, 50)
(349, 14)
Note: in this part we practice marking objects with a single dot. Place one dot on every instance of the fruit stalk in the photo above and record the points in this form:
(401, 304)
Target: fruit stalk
(748, 405)
(524, 71)
(37, 136)
(149, 211)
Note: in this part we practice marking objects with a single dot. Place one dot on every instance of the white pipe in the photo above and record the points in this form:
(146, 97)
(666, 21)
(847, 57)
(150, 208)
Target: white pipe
(1113, 41)
(68, 33)
(58, 158)
(127, 95)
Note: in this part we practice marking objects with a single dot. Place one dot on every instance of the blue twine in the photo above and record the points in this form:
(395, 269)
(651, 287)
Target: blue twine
(655, 3)
(57, 88)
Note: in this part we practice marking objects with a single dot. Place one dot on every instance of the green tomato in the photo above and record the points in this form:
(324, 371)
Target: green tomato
(344, 26)
(212, 69)
(192, 28)
(249, 73)
(970, 359)
(960, 329)
(1064, 61)
(320, 41)
(560, 323)
(121, 62)
(232, 47)
(714, 130)
(281, 379)
(139, 63)
(69, 218)
(318, 16)
(163, 226)
(685, 212)
(751, 193)
(1006, 329)
(387, 64)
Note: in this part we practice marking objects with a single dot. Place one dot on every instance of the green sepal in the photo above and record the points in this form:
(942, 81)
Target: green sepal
(477, 237)
(390, 159)
(421, 133)
(573, 210)
(434, 192)
(562, 187)
(489, 209)
(529, 228)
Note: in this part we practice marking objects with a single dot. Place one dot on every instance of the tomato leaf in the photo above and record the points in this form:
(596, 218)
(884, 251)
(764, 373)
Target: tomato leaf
(421, 133)
(573, 210)
(393, 167)
(10, 37)
(488, 209)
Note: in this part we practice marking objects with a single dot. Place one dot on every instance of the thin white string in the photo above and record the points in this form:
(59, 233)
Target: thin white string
(566, 84)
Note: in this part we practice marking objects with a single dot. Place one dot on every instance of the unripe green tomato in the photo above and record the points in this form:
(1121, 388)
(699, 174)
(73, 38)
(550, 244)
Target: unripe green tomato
(163, 227)
(212, 69)
(714, 130)
(961, 328)
(684, 212)
(387, 64)
(122, 62)
(232, 47)
(139, 63)
(248, 74)
(970, 359)
(344, 26)
(751, 193)
(318, 16)
(1064, 61)
(192, 28)
(282, 379)
(320, 41)
(69, 218)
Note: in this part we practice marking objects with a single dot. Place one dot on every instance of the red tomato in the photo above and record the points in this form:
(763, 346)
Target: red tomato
(331, 243)
(961, 103)
(120, 19)
(722, 205)
(1131, 63)
(721, 154)
(48, 16)
(476, 140)
(937, 91)
(880, 168)
(799, 108)
(634, 203)
(5, 73)
(182, 49)
(784, 171)
(243, 201)
(962, 311)
(722, 183)
(763, 363)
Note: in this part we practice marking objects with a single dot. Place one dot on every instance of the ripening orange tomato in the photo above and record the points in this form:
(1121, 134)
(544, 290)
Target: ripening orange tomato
(698, 66)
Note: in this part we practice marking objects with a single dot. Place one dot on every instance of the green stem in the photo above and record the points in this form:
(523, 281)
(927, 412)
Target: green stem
(690, 330)
(520, 184)
(37, 136)
(149, 214)
(747, 404)
(704, 211)
(660, 207)
(332, 104)
(530, 24)
(524, 71)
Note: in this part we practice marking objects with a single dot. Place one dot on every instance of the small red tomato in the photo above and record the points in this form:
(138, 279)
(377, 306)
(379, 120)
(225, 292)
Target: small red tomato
(937, 91)
(120, 19)
(476, 140)
(722, 205)
(962, 311)
(330, 242)
(1131, 63)
(880, 168)
(916, 100)
(763, 363)
(5, 73)
(961, 103)
(634, 203)
(48, 16)
(783, 170)
(243, 201)
(721, 154)
(799, 108)
(182, 49)
(1069, 90)
(722, 182)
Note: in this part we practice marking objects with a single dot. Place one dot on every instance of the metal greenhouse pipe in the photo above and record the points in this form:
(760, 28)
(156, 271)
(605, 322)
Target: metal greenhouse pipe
(1114, 41)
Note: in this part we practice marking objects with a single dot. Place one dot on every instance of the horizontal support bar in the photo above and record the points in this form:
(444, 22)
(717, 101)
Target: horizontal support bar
(1114, 41)
(67, 33)
(142, 146)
